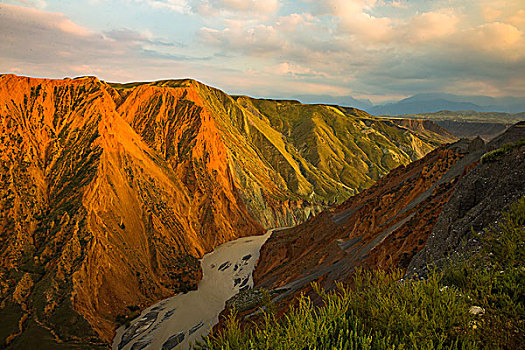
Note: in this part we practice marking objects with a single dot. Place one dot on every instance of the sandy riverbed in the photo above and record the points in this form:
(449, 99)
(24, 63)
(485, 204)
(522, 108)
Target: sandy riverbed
(176, 322)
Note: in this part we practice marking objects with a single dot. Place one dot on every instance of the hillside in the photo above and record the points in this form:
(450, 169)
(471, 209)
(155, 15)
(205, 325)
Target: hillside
(381, 227)
(111, 192)
(417, 216)
(476, 302)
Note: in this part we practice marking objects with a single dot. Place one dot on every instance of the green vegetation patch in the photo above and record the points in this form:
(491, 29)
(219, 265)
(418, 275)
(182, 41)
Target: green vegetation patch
(10, 315)
(37, 337)
(493, 156)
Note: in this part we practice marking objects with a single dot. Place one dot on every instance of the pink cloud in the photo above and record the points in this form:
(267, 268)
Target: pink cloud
(498, 38)
(431, 25)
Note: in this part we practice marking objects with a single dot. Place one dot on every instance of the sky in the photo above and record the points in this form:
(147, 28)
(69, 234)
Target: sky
(370, 49)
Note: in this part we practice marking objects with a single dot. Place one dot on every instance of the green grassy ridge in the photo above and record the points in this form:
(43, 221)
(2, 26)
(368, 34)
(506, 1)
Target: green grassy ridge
(166, 83)
(496, 154)
(383, 311)
(336, 144)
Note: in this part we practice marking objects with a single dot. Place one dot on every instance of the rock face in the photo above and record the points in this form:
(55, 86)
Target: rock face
(415, 216)
(476, 204)
(110, 193)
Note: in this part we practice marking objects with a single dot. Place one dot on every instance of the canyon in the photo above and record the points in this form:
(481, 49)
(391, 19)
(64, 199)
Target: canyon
(111, 193)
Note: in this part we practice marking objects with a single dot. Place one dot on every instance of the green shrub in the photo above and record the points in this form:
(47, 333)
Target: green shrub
(380, 312)
(496, 154)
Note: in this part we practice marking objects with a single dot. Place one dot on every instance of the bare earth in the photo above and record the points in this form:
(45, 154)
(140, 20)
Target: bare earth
(176, 322)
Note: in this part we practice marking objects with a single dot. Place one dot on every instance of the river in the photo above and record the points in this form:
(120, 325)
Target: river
(176, 322)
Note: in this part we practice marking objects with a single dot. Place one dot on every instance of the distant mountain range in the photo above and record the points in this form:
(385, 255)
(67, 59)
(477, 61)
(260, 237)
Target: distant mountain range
(425, 103)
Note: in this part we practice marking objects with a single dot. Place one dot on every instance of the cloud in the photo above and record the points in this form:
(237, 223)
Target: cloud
(294, 21)
(368, 48)
(181, 6)
(508, 11)
(341, 42)
(399, 4)
(430, 26)
(129, 36)
(240, 36)
(39, 4)
(490, 13)
(294, 70)
(38, 36)
(354, 18)
(253, 7)
(517, 19)
(45, 43)
(38, 19)
(496, 39)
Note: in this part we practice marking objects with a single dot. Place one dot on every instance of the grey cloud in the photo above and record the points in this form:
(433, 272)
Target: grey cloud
(124, 35)
(440, 71)
(49, 44)
(152, 53)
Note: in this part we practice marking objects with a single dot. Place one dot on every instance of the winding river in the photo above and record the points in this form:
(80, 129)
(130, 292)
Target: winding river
(176, 322)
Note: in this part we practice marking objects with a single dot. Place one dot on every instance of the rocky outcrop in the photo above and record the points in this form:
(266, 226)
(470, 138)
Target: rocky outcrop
(476, 204)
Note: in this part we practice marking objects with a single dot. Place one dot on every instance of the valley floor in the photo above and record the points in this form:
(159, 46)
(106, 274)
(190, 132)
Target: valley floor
(184, 318)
